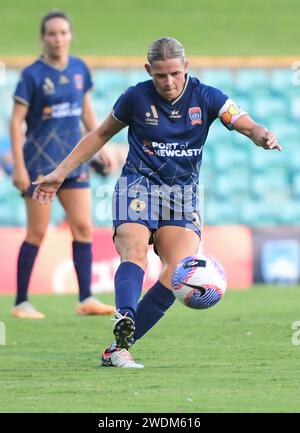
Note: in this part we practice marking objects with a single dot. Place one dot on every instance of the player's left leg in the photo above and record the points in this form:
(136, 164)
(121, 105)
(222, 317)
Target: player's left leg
(77, 203)
(173, 243)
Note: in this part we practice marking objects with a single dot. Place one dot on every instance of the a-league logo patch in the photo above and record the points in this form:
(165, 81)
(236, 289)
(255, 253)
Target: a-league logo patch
(78, 79)
(48, 86)
(151, 118)
(195, 114)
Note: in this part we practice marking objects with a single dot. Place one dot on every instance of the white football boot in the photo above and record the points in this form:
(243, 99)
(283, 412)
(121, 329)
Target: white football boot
(119, 358)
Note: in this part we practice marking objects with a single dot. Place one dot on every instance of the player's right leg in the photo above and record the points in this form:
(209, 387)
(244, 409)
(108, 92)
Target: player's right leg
(37, 222)
(131, 242)
(134, 221)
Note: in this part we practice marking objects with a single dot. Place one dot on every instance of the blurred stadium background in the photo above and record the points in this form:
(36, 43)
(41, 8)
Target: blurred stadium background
(239, 356)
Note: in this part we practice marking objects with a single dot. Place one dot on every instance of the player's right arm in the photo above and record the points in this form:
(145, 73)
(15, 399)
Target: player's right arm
(47, 186)
(20, 174)
(260, 135)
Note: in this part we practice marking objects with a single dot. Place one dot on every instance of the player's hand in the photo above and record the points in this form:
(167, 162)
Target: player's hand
(47, 187)
(106, 160)
(270, 141)
(21, 178)
(264, 138)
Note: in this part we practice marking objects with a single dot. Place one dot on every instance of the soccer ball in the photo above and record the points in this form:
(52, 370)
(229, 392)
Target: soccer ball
(199, 281)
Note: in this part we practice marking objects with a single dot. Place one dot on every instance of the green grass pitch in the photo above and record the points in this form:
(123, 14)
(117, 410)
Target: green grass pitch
(236, 357)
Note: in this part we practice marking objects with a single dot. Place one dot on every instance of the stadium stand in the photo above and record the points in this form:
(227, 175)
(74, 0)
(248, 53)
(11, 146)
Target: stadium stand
(243, 184)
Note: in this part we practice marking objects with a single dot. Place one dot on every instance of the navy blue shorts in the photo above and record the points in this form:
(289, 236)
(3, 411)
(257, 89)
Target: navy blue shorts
(136, 200)
(81, 181)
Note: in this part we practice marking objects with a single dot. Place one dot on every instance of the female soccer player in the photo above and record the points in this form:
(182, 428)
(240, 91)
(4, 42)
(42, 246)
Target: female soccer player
(52, 96)
(156, 196)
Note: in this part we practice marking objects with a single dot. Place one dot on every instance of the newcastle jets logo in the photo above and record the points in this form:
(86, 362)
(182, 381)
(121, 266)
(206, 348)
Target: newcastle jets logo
(174, 115)
(151, 118)
(195, 114)
(78, 81)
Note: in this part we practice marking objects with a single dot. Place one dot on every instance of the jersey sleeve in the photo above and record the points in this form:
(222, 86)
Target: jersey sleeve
(215, 100)
(25, 89)
(229, 113)
(122, 109)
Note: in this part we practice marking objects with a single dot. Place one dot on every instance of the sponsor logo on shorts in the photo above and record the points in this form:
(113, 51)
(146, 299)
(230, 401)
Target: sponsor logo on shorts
(137, 205)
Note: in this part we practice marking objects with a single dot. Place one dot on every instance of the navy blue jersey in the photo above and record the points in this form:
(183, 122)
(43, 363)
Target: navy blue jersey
(54, 98)
(166, 138)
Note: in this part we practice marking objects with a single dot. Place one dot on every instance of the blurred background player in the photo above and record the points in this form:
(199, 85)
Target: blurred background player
(53, 97)
(169, 117)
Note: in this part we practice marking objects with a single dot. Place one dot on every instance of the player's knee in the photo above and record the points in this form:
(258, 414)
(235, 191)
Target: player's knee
(82, 230)
(36, 235)
(136, 253)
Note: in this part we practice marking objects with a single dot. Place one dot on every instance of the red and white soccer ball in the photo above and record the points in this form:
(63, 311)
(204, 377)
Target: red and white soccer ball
(199, 281)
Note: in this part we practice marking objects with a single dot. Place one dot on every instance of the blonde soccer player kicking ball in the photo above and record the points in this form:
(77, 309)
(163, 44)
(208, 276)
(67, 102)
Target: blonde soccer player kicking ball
(155, 197)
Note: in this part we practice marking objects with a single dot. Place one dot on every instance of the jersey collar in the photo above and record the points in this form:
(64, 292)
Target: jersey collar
(183, 90)
(54, 67)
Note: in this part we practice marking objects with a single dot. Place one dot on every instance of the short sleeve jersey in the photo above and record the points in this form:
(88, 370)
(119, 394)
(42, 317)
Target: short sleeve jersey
(55, 100)
(166, 138)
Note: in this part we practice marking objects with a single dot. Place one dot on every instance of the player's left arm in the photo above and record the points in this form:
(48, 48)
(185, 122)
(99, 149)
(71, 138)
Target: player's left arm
(90, 122)
(260, 135)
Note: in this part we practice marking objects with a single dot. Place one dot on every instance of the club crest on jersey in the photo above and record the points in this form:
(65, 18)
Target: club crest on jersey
(48, 86)
(151, 118)
(195, 114)
(78, 80)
